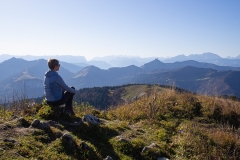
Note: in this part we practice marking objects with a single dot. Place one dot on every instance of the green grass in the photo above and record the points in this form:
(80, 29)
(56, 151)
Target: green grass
(181, 125)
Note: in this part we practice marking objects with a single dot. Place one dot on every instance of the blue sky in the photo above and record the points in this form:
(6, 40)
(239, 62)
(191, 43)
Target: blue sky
(96, 28)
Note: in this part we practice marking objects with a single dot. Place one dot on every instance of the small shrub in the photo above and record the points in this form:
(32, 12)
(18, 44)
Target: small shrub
(45, 112)
(161, 134)
(49, 112)
(138, 146)
(24, 122)
(217, 114)
(233, 119)
(124, 147)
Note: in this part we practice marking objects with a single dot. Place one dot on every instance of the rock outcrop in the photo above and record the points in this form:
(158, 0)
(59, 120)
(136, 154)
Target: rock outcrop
(91, 119)
(40, 125)
(153, 145)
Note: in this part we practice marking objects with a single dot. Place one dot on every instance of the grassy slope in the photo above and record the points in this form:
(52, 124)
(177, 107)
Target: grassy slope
(182, 125)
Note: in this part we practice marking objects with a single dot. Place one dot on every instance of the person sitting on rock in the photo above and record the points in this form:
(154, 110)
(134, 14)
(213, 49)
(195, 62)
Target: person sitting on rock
(55, 90)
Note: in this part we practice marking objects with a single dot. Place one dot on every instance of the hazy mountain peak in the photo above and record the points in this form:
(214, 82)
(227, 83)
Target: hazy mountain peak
(65, 58)
(42, 61)
(100, 64)
(87, 70)
(155, 64)
(204, 57)
(131, 66)
(14, 63)
(181, 56)
(156, 60)
(15, 59)
(92, 67)
(211, 55)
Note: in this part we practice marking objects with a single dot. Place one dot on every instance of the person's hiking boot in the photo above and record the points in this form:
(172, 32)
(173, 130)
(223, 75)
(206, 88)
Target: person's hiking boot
(61, 109)
(70, 112)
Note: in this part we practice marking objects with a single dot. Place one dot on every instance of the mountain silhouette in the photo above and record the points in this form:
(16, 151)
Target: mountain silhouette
(92, 76)
(156, 64)
(207, 58)
(14, 65)
(198, 80)
(19, 75)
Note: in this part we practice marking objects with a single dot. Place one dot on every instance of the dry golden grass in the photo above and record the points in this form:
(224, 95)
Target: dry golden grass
(196, 126)
(182, 125)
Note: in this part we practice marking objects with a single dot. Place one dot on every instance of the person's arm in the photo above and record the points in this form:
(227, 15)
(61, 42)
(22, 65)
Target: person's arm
(61, 83)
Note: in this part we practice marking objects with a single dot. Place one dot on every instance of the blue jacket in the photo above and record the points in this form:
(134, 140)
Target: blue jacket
(54, 86)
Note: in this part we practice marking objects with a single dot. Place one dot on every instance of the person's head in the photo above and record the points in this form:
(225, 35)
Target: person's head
(53, 64)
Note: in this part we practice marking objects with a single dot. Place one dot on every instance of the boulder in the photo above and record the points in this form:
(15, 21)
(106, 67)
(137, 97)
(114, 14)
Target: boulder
(69, 139)
(10, 140)
(153, 145)
(86, 146)
(13, 117)
(108, 158)
(43, 125)
(35, 123)
(58, 134)
(162, 158)
(122, 140)
(91, 119)
(145, 149)
(54, 124)
(22, 122)
(39, 124)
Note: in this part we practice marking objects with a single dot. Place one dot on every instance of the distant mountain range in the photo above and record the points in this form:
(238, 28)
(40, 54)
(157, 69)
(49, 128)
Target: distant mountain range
(20, 77)
(208, 58)
(156, 64)
(65, 58)
(199, 80)
(124, 61)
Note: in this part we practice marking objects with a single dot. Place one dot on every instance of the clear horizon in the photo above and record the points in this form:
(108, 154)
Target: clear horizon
(155, 28)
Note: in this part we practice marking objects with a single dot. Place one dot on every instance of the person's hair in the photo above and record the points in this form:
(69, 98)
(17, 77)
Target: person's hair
(52, 63)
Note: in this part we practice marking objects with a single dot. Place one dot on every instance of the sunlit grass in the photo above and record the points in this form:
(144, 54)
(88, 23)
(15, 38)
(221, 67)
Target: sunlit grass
(180, 125)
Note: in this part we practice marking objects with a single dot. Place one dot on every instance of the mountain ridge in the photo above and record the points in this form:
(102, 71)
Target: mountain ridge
(106, 62)
(191, 75)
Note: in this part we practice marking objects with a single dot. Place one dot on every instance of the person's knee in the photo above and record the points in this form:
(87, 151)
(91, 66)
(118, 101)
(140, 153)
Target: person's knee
(74, 89)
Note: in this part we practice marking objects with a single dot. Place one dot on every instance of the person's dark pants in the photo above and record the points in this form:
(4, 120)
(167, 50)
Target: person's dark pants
(66, 99)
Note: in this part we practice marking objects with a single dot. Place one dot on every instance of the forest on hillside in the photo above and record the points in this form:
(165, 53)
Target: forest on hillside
(105, 97)
(100, 97)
